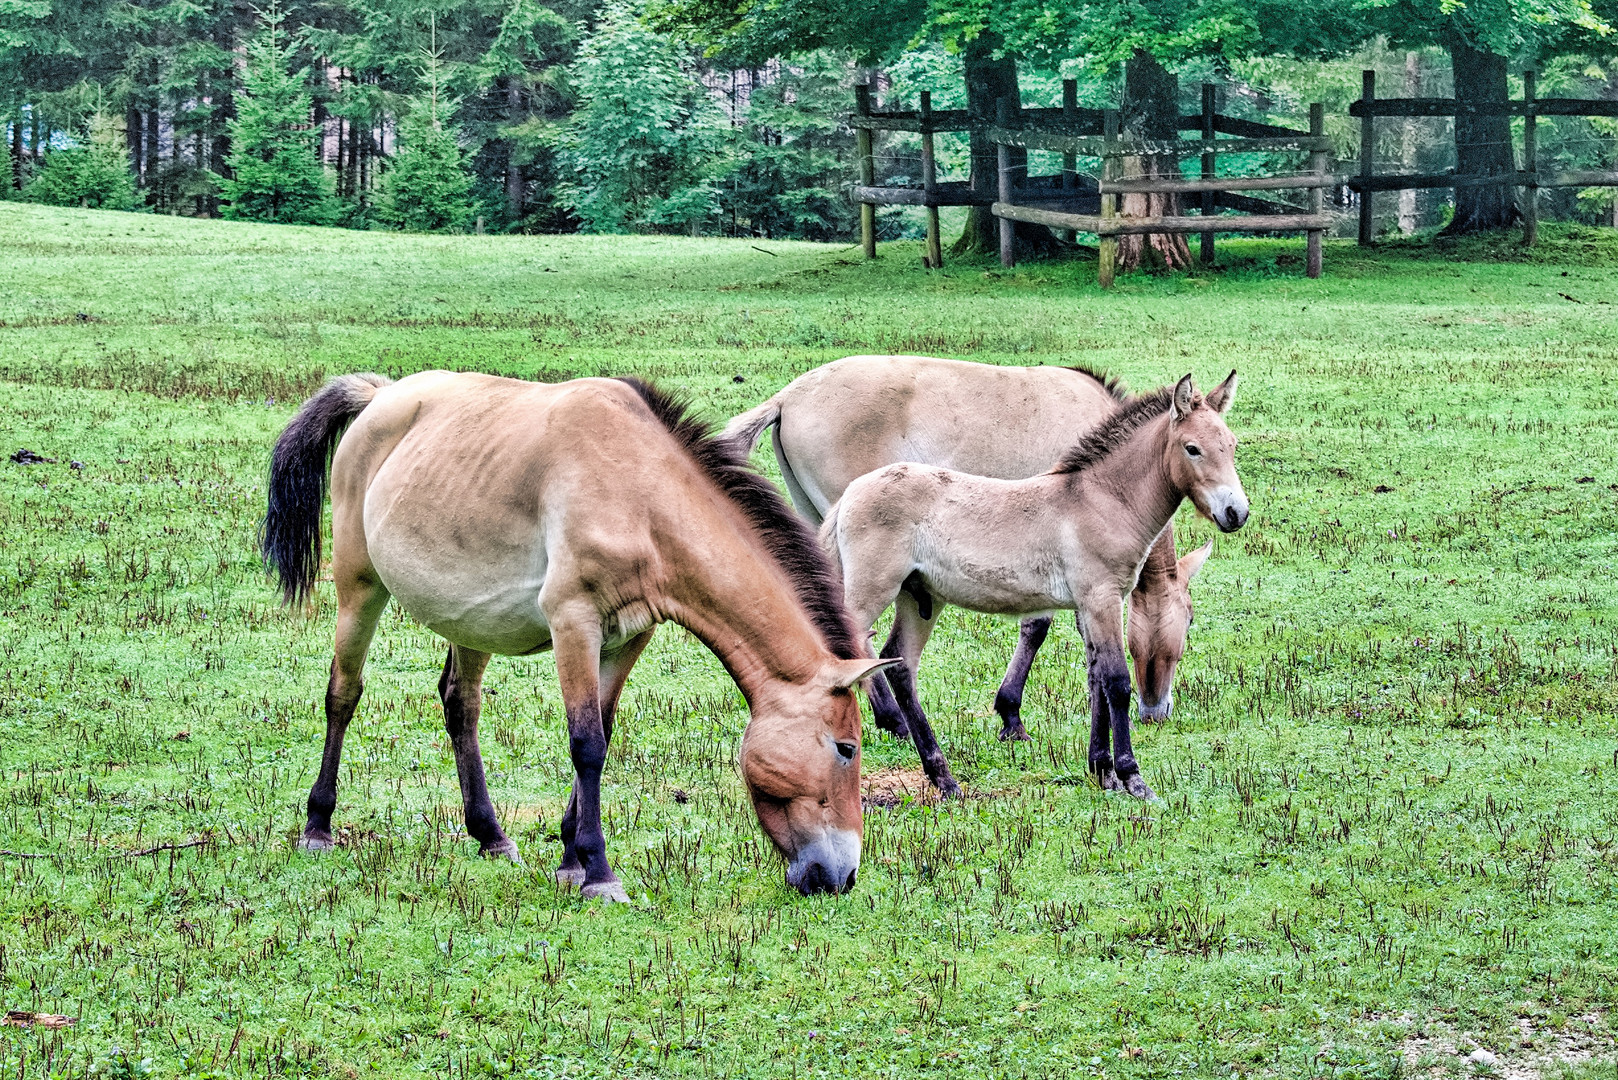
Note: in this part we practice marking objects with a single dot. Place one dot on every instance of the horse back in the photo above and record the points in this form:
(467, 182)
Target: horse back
(857, 414)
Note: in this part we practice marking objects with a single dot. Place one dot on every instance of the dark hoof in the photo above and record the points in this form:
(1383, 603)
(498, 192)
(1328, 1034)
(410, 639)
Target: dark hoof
(610, 891)
(1137, 787)
(1109, 780)
(1015, 732)
(949, 789)
(570, 876)
(315, 841)
(506, 848)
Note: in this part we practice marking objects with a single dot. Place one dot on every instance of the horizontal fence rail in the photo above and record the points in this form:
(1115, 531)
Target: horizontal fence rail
(1529, 180)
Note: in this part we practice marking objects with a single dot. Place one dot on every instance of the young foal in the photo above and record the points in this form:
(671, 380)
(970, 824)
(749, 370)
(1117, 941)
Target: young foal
(1072, 538)
(852, 416)
(511, 517)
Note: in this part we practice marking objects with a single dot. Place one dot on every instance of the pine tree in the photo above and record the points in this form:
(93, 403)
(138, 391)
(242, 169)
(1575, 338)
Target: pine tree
(647, 144)
(426, 188)
(94, 174)
(277, 176)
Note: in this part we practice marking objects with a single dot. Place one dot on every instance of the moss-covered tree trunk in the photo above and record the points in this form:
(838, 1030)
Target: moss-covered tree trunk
(1482, 143)
(988, 79)
(1151, 110)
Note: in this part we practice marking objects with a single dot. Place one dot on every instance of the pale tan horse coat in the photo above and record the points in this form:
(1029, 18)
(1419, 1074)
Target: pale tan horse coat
(511, 517)
(855, 415)
(1072, 538)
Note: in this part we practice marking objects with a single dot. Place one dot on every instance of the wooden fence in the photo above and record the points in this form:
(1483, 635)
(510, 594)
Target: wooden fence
(1528, 178)
(1071, 201)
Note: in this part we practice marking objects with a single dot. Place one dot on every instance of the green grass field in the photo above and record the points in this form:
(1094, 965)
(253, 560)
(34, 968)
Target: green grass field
(1388, 835)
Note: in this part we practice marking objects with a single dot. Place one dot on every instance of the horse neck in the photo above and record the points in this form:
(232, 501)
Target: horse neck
(731, 593)
(1135, 478)
(1161, 561)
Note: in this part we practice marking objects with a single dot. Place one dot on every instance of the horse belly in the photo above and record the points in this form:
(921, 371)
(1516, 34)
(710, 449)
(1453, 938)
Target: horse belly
(489, 603)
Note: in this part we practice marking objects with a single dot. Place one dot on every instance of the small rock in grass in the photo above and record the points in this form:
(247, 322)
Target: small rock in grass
(1482, 1059)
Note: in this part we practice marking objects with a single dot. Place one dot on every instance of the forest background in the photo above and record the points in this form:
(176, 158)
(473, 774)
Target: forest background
(726, 117)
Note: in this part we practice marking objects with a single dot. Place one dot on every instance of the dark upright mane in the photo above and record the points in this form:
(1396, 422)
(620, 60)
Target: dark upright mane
(786, 536)
(1114, 430)
(1112, 384)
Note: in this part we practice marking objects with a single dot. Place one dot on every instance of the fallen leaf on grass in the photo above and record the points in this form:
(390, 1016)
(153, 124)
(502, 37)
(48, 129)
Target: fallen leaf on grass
(19, 1018)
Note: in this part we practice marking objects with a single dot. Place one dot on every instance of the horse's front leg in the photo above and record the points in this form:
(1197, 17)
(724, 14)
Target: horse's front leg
(615, 669)
(461, 689)
(1102, 627)
(1008, 701)
(576, 640)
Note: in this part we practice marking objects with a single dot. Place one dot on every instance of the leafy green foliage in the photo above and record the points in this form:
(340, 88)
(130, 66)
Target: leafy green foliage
(647, 145)
(276, 174)
(94, 173)
(426, 187)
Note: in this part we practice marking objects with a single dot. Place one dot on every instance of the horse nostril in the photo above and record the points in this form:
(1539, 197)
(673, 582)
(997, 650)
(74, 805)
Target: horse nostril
(848, 885)
(816, 879)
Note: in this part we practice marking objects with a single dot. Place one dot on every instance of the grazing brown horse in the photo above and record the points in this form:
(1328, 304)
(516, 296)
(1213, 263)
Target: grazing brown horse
(1073, 538)
(855, 415)
(511, 517)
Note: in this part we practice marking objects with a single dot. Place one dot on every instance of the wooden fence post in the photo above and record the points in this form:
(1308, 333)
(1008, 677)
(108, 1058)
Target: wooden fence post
(929, 183)
(1317, 195)
(1367, 152)
(1109, 203)
(1070, 162)
(1008, 228)
(1208, 197)
(862, 136)
(1530, 162)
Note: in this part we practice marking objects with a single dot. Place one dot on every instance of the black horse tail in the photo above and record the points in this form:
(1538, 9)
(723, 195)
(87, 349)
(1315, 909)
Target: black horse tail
(290, 538)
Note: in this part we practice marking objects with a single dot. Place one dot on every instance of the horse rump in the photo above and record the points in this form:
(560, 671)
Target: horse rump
(290, 537)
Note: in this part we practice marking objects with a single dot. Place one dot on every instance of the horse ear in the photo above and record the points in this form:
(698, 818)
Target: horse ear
(1220, 397)
(841, 674)
(1184, 394)
(1192, 561)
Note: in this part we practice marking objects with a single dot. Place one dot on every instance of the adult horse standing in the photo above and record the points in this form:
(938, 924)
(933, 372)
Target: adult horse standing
(858, 414)
(511, 517)
(1072, 538)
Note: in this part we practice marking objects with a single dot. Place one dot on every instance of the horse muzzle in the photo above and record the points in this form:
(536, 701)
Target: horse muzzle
(828, 864)
(1227, 509)
(1159, 712)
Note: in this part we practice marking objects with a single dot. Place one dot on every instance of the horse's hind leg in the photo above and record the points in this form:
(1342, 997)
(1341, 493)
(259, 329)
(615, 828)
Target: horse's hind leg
(615, 670)
(909, 638)
(460, 687)
(1008, 701)
(361, 599)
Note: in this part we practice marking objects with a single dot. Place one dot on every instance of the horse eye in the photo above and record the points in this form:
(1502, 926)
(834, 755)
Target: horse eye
(1193, 450)
(846, 750)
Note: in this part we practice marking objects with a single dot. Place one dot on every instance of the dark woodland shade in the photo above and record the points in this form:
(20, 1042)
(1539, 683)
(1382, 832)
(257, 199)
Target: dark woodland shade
(786, 535)
(1115, 430)
(1112, 384)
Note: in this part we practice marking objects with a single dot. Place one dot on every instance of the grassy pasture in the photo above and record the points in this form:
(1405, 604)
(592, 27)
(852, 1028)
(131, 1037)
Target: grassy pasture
(1388, 833)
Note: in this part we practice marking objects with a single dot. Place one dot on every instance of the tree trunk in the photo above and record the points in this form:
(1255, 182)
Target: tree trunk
(1151, 110)
(16, 151)
(1482, 143)
(1408, 222)
(988, 79)
(133, 130)
(154, 132)
(514, 177)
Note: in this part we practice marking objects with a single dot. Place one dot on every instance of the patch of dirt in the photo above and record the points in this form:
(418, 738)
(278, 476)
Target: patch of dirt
(1536, 1051)
(892, 787)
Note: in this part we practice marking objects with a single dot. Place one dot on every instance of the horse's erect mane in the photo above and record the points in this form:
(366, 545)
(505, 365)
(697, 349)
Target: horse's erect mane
(786, 535)
(1112, 384)
(1115, 430)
